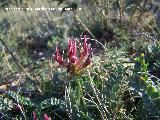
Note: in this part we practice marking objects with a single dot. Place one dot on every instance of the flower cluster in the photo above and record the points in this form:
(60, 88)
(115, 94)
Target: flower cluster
(73, 63)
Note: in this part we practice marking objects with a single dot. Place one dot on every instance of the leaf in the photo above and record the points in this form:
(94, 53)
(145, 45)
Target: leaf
(151, 90)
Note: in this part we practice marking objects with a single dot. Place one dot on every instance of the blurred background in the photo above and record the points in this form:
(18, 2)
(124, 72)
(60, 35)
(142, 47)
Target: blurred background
(120, 31)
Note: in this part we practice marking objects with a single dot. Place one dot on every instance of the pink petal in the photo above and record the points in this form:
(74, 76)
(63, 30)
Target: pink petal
(58, 57)
(85, 47)
(75, 48)
(84, 53)
(34, 115)
(88, 60)
(69, 46)
(85, 60)
(74, 53)
(45, 117)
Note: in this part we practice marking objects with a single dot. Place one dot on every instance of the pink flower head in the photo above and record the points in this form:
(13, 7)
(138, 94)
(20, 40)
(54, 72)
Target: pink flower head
(75, 64)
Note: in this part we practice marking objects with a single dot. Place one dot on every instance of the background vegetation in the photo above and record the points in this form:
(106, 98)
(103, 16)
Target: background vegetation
(123, 81)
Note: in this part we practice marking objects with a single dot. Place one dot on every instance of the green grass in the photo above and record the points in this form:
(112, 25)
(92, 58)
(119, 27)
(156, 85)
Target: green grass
(122, 82)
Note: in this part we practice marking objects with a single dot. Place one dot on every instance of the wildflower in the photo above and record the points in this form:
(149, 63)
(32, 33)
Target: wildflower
(73, 63)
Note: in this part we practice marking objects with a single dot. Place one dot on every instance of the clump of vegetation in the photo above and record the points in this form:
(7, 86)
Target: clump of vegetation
(98, 60)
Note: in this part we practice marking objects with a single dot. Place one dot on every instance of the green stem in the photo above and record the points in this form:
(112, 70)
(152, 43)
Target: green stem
(80, 96)
(80, 90)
